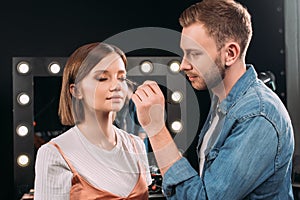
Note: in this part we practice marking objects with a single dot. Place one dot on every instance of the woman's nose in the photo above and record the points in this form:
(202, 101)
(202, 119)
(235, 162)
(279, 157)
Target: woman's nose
(115, 85)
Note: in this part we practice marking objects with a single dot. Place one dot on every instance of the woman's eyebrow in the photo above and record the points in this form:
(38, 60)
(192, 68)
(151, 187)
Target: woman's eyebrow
(106, 71)
(100, 71)
(121, 71)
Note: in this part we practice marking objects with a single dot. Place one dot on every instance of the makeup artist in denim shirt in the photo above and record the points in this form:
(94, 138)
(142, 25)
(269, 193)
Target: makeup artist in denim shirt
(247, 142)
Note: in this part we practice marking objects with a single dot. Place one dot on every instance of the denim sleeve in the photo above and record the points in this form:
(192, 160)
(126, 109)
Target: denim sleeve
(243, 162)
(181, 181)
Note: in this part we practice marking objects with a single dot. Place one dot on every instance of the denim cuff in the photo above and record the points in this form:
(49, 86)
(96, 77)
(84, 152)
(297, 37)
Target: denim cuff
(177, 173)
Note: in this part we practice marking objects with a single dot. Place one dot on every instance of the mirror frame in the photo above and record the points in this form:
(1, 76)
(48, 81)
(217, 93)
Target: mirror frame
(24, 114)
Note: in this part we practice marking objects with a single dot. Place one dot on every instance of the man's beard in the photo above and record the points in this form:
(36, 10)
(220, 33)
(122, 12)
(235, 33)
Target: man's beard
(216, 74)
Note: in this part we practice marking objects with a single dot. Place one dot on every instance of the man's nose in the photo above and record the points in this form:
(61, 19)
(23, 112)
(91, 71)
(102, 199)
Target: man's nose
(185, 65)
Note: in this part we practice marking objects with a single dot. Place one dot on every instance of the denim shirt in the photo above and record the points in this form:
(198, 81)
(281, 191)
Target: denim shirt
(251, 155)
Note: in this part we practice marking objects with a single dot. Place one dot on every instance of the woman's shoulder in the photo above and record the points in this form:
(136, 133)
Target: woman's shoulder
(62, 140)
(65, 137)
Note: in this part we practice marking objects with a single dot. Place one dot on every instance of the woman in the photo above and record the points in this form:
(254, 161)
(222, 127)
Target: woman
(93, 159)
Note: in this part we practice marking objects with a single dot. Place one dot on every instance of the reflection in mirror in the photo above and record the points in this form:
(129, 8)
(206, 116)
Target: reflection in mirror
(45, 116)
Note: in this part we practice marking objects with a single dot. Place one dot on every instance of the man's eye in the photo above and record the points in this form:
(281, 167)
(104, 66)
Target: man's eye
(194, 54)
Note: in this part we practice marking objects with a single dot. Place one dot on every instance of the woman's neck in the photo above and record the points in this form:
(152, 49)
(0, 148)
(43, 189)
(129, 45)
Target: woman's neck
(98, 129)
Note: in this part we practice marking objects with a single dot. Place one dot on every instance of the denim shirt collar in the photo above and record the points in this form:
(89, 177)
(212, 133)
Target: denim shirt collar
(241, 86)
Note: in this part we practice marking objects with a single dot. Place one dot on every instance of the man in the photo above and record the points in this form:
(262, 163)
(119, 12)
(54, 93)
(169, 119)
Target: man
(246, 144)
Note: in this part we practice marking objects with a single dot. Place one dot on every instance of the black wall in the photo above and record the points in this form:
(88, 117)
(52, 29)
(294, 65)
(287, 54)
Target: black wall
(56, 28)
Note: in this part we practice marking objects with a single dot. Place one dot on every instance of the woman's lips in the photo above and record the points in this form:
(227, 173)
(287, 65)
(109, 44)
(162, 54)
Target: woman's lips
(115, 98)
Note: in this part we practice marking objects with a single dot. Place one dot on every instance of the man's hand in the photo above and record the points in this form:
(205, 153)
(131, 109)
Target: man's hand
(150, 106)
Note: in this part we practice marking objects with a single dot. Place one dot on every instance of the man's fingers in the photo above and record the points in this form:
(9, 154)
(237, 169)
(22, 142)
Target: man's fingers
(136, 99)
(155, 89)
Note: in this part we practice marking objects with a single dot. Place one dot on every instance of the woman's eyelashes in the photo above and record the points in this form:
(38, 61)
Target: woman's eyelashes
(123, 78)
(101, 79)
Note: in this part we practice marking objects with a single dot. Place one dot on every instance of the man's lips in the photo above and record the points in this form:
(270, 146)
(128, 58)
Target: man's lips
(192, 77)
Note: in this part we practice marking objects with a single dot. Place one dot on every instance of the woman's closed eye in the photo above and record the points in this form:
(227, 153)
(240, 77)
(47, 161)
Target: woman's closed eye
(123, 78)
(104, 79)
(101, 79)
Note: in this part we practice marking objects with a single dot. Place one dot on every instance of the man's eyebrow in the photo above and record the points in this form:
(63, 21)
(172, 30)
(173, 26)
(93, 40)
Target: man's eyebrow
(193, 50)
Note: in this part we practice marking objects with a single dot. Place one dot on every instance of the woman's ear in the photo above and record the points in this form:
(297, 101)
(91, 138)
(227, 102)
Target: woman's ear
(75, 91)
(233, 52)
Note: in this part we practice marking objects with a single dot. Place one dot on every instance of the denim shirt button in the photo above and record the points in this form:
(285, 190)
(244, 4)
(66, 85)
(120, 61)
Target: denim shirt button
(167, 192)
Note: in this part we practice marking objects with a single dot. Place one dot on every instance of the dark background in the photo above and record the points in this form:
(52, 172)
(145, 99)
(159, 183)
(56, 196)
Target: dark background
(57, 28)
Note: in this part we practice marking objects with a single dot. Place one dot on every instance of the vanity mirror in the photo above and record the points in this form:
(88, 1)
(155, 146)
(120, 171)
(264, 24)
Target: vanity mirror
(36, 89)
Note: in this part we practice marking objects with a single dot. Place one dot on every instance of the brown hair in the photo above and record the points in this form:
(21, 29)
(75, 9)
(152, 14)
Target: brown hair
(78, 65)
(223, 20)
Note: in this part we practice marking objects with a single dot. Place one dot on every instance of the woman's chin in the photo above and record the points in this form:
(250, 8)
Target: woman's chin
(116, 107)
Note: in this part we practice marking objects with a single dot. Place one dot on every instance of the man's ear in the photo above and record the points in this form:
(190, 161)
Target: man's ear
(233, 52)
(75, 91)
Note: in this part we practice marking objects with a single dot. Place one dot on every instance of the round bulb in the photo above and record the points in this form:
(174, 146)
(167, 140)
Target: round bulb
(54, 68)
(174, 66)
(147, 67)
(22, 130)
(176, 126)
(23, 160)
(23, 99)
(23, 67)
(176, 96)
